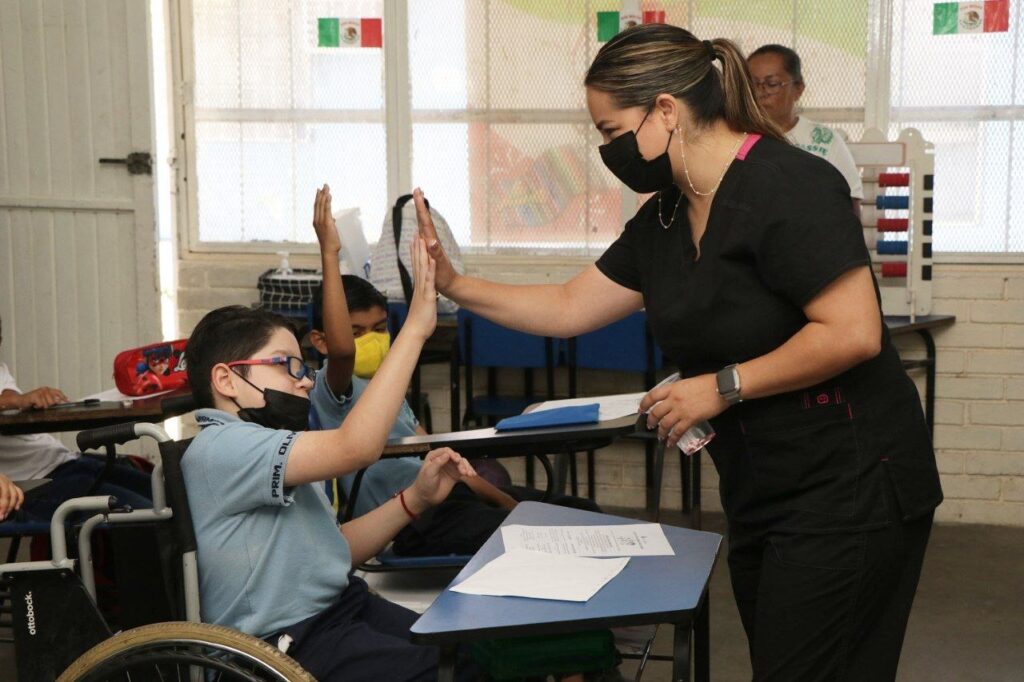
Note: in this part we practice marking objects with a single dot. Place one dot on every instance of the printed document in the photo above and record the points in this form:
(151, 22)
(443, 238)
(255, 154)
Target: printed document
(634, 539)
(537, 575)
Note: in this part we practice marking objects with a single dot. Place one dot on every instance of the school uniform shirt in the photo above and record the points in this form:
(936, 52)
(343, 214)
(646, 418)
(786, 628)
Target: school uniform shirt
(386, 477)
(31, 456)
(268, 556)
(780, 230)
(822, 141)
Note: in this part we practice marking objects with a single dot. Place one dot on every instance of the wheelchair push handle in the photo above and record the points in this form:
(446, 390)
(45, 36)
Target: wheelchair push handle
(116, 434)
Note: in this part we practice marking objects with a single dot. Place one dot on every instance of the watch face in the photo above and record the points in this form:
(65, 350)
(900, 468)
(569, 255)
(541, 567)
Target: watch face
(728, 382)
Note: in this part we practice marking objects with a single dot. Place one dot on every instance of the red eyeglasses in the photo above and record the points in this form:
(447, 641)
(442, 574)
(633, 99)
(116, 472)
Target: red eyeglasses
(295, 367)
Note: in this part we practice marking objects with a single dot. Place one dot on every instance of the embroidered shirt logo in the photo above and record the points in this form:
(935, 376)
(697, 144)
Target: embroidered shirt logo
(821, 135)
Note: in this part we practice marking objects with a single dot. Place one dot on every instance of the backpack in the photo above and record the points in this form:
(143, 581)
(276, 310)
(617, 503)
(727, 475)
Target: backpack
(390, 269)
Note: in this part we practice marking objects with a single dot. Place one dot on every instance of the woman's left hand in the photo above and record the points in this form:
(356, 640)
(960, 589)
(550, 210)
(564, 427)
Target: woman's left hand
(676, 407)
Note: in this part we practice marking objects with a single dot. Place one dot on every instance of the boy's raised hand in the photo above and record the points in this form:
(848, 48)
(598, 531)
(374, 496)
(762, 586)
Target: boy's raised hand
(446, 274)
(441, 470)
(423, 310)
(323, 222)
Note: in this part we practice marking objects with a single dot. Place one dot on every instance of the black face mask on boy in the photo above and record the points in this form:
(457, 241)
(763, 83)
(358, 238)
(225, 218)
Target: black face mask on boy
(623, 158)
(280, 410)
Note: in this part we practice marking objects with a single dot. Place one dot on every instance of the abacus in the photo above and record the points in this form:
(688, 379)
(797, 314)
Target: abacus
(896, 213)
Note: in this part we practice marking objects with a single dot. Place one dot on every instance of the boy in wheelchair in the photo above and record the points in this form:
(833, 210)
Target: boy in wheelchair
(271, 560)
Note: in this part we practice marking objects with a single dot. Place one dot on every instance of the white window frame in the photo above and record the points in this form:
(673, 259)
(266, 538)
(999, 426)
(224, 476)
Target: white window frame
(398, 119)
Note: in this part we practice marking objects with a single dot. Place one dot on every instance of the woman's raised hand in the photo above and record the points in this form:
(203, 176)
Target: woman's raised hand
(445, 273)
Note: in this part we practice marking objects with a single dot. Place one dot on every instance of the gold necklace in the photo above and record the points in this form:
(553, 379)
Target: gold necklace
(728, 162)
(673, 218)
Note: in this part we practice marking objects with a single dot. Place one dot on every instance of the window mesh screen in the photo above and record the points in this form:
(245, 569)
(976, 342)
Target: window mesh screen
(964, 93)
(277, 115)
(517, 166)
(502, 141)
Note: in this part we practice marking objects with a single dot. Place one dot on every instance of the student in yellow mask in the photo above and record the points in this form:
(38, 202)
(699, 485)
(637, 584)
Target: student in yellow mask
(475, 507)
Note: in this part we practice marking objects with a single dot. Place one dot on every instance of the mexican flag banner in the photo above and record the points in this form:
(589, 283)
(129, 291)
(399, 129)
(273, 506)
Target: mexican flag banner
(610, 23)
(335, 32)
(988, 16)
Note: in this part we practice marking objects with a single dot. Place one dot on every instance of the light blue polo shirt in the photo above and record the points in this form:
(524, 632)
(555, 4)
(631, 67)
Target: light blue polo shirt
(269, 556)
(383, 479)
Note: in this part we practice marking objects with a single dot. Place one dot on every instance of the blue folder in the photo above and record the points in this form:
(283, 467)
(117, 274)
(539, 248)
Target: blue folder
(559, 416)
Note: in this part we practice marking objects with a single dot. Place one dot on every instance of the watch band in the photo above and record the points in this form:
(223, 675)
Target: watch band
(728, 380)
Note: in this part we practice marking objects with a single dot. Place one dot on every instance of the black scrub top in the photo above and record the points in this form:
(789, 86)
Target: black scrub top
(779, 231)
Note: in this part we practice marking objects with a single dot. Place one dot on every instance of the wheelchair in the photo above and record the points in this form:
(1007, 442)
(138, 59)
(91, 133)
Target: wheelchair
(59, 633)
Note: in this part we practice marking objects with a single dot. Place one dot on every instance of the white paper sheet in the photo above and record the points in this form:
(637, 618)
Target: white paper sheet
(609, 406)
(634, 539)
(115, 395)
(537, 575)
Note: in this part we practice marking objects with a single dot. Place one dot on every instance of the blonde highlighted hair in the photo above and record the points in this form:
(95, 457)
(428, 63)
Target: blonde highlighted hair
(647, 60)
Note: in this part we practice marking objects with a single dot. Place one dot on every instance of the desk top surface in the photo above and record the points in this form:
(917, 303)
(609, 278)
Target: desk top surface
(82, 417)
(521, 442)
(660, 589)
(901, 324)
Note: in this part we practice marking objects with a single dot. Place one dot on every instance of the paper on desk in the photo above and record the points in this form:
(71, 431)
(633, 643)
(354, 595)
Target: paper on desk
(538, 575)
(609, 406)
(116, 395)
(634, 539)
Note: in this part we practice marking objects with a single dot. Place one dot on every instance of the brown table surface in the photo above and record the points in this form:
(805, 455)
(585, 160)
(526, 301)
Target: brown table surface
(81, 417)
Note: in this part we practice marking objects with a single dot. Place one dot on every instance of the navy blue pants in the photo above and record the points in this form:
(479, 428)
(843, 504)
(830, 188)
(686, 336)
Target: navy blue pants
(75, 479)
(362, 637)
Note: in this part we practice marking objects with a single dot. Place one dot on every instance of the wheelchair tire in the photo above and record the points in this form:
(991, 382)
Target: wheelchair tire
(175, 644)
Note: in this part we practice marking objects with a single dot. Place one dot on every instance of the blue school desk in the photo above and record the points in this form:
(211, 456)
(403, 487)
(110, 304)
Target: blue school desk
(649, 590)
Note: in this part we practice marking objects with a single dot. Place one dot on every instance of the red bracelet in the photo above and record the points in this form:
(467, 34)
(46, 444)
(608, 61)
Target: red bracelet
(401, 498)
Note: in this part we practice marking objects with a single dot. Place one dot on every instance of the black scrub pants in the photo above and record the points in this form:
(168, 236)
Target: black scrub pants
(830, 606)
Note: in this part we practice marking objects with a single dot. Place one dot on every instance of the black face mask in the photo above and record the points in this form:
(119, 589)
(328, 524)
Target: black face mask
(280, 410)
(623, 158)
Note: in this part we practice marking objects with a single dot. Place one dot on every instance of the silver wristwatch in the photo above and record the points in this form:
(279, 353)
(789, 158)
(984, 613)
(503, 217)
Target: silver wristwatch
(728, 380)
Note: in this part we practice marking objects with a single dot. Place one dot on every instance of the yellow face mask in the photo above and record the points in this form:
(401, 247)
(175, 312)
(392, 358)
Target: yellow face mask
(371, 348)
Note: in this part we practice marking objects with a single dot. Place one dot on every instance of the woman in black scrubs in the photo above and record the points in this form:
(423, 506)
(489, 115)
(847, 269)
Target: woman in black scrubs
(756, 281)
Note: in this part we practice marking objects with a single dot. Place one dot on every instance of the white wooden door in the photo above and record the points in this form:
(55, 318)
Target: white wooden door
(78, 268)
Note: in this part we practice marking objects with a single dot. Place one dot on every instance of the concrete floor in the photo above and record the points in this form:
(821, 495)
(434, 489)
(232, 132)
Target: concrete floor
(967, 624)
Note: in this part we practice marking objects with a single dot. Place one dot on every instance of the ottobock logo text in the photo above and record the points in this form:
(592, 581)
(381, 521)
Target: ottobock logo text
(30, 614)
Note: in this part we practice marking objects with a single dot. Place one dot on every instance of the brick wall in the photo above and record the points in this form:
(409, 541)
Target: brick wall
(979, 433)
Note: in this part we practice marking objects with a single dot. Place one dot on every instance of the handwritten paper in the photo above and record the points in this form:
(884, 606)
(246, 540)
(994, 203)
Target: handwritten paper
(635, 539)
(538, 575)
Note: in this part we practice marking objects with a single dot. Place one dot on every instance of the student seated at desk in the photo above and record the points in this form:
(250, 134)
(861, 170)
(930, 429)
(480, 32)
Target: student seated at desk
(40, 455)
(11, 497)
(350, 328)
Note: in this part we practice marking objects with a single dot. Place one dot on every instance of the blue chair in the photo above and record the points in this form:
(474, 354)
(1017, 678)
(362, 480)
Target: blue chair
(484, 344)
(437, 350)
(628, 346)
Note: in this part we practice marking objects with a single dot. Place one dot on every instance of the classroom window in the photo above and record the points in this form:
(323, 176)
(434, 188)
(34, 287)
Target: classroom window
(277, 114)
(500, 137)
(965, 93)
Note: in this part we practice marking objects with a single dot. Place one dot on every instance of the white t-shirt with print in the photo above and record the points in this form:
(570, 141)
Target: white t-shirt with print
(822, 141)
(31, 456)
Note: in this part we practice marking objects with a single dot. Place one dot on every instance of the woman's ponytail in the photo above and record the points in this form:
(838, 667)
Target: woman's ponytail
(740, 108)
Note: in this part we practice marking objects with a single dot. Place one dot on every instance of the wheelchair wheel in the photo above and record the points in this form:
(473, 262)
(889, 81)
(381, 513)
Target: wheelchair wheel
(184, 651)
